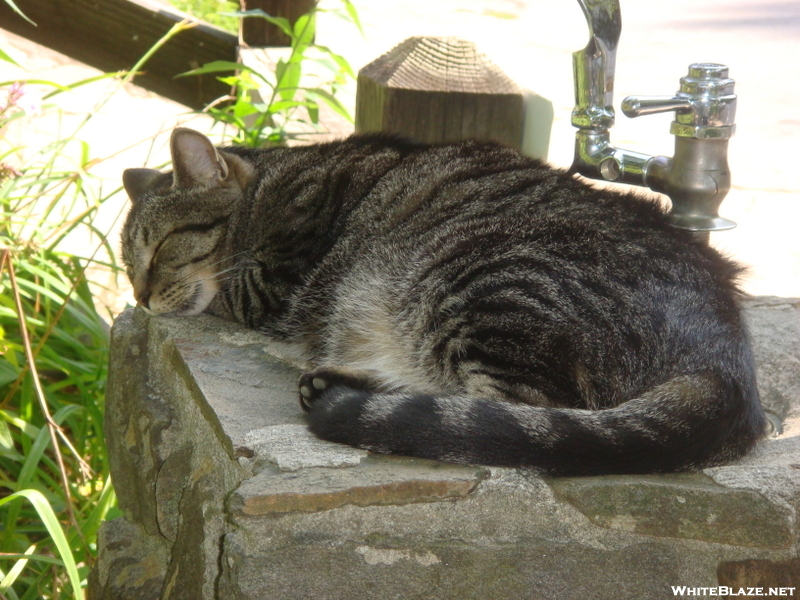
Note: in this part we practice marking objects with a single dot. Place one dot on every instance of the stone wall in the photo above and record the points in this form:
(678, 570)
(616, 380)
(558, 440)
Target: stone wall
(226, 495)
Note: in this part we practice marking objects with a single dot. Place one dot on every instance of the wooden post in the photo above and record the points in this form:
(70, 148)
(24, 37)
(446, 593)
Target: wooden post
(111, 35)
(439, 90)
(259, 32)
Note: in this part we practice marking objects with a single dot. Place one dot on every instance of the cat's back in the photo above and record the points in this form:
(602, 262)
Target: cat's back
(427, 203)
(384, 182)
(355, 200)
(528, 251)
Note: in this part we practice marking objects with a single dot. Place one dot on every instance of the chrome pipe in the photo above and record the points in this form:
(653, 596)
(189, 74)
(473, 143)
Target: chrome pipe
(696, 177)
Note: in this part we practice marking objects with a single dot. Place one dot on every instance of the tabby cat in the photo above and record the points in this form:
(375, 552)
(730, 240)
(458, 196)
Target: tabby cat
(457, 302)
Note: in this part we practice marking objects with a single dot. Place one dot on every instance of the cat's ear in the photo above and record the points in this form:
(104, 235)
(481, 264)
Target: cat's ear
(138, 182)
(195, 161)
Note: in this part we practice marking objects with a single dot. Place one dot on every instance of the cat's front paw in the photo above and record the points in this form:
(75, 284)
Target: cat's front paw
(311, 388)
(314, 384)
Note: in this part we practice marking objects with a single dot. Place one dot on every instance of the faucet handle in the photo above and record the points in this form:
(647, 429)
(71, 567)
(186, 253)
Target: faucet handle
(704, 106)
(637, 106)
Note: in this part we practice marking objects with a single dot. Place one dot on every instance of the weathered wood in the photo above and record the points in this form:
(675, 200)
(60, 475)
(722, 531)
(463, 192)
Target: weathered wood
(259, 32)
(112, 35)
(439, 90)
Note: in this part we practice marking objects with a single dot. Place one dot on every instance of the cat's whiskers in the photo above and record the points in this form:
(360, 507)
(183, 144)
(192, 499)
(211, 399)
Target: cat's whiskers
(218, 277)
(190, 274)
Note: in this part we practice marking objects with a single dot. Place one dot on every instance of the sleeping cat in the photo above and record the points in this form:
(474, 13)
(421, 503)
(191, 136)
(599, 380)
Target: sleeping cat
(457, 302)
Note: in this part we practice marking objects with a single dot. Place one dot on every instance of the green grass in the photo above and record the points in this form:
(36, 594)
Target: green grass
(54, 476)
(55, 487)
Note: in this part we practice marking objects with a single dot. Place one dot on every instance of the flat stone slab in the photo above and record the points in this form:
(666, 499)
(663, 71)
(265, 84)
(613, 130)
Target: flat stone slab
(775, 333)
(687, 506)
(243, 385)
(294, 447)
(379, 481)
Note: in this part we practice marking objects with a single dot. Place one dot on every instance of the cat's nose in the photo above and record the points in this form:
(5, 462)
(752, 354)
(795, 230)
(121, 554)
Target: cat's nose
(143, 299)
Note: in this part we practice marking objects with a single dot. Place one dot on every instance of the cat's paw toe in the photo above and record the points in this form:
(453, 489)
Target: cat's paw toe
(314, 384)
(311, 387)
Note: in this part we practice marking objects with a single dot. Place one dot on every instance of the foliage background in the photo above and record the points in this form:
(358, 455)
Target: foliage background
(55, 261)
(54, 344)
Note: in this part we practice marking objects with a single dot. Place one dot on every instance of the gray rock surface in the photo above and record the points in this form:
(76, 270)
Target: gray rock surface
(226, 495)
(293, 447)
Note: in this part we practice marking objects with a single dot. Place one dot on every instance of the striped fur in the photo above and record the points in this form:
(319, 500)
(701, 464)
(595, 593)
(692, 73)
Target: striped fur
(458, 302)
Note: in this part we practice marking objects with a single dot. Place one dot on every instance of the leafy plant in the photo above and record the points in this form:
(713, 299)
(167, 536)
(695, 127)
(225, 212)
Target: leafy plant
(55, 489)
(54, 347)
(52, 378)
(270, 108)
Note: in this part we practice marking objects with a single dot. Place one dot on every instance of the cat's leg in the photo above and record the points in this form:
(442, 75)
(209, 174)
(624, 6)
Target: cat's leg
(685, 423)
(314, 384)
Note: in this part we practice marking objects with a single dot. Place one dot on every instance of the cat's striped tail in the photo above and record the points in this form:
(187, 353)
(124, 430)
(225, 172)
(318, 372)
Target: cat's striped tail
(689, 422)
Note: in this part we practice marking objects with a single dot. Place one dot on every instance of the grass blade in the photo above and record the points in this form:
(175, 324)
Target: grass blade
(7, 58)
(19, 12)
(48, 517)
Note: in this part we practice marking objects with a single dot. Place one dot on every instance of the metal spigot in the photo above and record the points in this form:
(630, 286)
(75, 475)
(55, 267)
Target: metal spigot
(697, 177)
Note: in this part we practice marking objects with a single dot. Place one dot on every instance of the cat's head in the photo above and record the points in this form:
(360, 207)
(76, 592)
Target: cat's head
(174, 243)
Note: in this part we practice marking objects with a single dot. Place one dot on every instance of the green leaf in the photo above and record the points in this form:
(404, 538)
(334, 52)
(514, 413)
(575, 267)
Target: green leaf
(280, 69)
(8, 372)
(331, 101)
(304, 29)
(50, 521)
(217, 66)
(7, 447)
(11, 576)
(27, 428)
(100, 511)
(6, 440)
(36, 451)
(7, 58)
(32, 457)
(313, 112)
(351, 10)
(340, 61)
(63, 88)
(280, 22)
(286, 105)
(290, 80)
(76, 84)
(244, 109)
(19, 12)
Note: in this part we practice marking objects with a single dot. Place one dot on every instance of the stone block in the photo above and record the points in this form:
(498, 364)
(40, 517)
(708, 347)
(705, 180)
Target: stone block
(684, 506)
(761, 573)
(227, 496)
(133, 565)
(380, 481)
